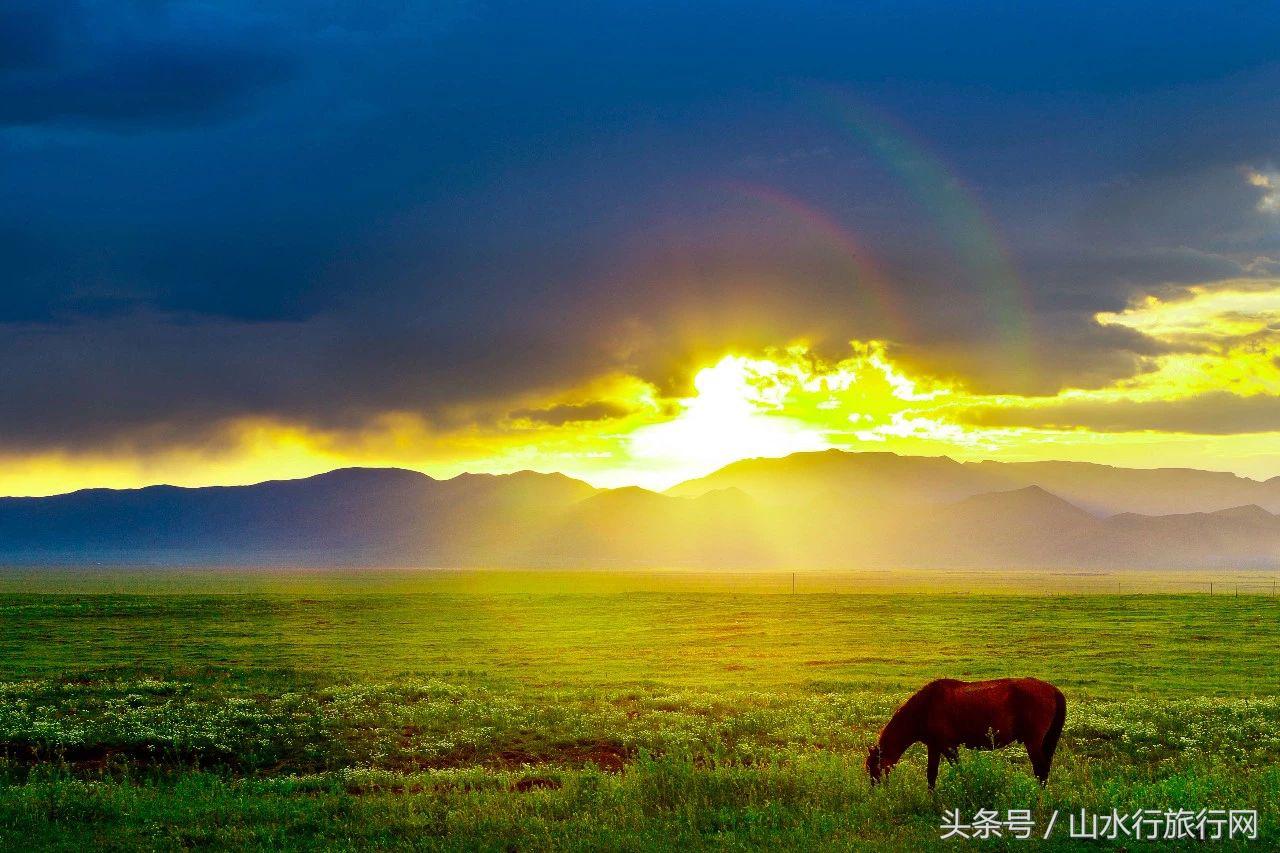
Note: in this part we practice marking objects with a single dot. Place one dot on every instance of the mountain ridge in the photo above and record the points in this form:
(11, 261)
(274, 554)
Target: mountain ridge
(826, 509)
(1101, 489)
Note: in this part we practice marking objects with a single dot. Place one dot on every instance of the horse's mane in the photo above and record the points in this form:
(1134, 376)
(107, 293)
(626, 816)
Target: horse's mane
(922, 698)
(905, 721)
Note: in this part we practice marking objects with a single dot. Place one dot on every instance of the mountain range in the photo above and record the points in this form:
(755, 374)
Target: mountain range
(822, 510)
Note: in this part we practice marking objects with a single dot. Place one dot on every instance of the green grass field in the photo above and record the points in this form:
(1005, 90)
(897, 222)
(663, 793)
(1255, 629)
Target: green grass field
(483, 711)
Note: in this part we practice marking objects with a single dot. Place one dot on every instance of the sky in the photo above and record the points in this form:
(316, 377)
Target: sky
(632, 242)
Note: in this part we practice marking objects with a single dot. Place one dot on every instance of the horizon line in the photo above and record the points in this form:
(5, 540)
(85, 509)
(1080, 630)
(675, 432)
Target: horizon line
(515, 472)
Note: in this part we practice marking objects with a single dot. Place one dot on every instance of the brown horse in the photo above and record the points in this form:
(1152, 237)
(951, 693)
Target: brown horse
(947, 714)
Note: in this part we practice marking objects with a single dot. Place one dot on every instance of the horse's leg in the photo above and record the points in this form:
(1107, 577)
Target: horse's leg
(1050, 746)
(1049, 741)
(934, 755)
(952, 754)
(1042, 758)
(1039, 762)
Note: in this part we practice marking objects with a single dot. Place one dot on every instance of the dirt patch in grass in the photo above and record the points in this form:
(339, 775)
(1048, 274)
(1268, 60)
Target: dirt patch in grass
(530, 783)
(364, 790)
(90, 760)
(98, 759)
(608, 755)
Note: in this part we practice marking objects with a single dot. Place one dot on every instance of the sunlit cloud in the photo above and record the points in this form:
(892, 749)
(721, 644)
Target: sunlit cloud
(1221, 311)
(1219, 372)
(1269, 182)
(1205, 394)
(1230, 333)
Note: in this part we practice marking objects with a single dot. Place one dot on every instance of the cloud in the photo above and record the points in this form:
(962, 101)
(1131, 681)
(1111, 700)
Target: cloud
(320, 216)
(567, 413)
(1269, 184)
(31, 31)
(1211, 413)
(140, 381)
(1223, 314)
(130, 65)
(1215, 371)
(1208, 208)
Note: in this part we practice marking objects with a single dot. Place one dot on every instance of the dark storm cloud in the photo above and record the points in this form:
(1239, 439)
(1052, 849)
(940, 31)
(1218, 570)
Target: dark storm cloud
(322, 213)
(1214, 206)
(155, 83)
(30, 31)
(129, 64)
(144, 381)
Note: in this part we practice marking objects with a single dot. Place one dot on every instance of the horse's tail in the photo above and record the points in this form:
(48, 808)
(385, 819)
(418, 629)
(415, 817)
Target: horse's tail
(1055, 725)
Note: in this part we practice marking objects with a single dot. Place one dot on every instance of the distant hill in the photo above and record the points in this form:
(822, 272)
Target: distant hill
(1106, 490)
(1241, 537)
(834, 475)
(1027, 526)
(812, 511)
(633, 526)
(353, 515)
(1099, 489)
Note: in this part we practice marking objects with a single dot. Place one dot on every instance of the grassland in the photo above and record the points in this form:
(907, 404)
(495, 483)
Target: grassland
(483, 712)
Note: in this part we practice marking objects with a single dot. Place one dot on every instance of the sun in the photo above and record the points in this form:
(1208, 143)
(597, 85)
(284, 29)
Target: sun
(735, 414)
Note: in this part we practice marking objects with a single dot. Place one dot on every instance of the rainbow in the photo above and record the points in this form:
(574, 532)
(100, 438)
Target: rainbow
(983, 261)
(864, 270)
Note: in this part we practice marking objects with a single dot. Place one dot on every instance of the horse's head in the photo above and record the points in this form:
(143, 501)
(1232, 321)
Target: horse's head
(873, 764)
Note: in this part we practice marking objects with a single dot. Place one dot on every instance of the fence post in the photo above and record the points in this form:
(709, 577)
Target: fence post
(1211, 587)
(793, 583)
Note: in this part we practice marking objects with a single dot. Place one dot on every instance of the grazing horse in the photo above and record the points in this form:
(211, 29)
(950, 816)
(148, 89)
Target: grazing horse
(947, 714)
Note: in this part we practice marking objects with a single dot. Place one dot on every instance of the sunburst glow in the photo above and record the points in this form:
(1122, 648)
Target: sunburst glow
(1214, 348)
